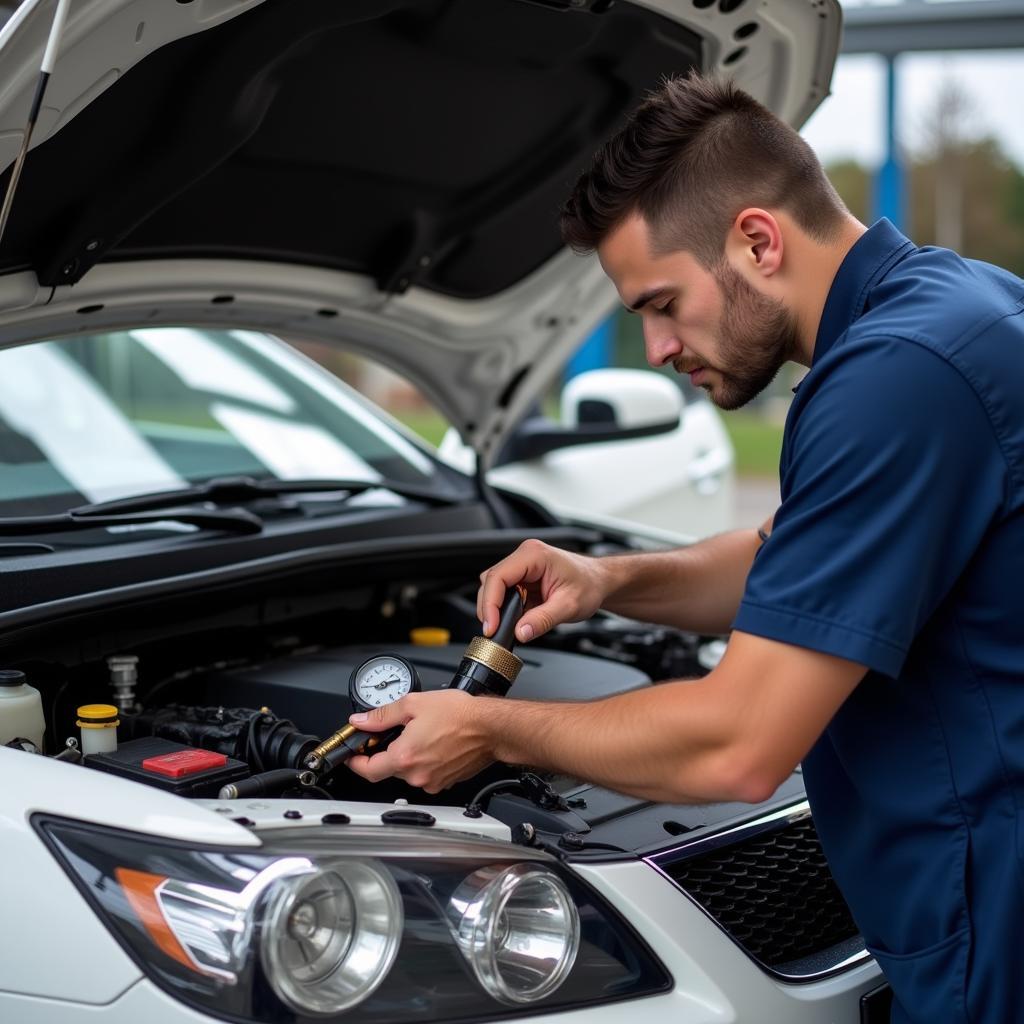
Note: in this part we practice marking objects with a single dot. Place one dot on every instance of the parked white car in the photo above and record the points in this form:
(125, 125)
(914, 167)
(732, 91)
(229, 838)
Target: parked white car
(212, 549)
(627, 452)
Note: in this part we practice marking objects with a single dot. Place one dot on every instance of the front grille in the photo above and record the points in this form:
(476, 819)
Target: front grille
(772, 893)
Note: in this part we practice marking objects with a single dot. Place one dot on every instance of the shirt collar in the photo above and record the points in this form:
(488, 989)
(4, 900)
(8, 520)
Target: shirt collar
(867, 262)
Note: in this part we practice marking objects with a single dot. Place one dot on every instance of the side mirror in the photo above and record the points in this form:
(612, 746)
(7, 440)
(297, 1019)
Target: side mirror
(626, 399)
(598, 406)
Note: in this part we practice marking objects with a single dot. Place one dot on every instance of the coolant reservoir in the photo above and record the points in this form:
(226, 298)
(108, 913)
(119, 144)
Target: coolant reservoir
(21, 709)
(98, 723)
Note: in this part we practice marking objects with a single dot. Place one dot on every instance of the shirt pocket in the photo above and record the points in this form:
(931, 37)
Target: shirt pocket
(929, 985)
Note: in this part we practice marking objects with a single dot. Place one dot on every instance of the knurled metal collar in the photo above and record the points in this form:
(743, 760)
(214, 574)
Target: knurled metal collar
(494, 657)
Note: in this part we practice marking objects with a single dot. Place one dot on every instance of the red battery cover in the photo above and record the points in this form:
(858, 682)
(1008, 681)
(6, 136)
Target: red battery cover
(184, 762)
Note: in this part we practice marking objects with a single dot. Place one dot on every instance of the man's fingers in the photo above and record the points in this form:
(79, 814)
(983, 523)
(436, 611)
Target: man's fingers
(527, 564)
(489, 598)
(387, 717)
(537, 621)
(374, 769)
(488, 626)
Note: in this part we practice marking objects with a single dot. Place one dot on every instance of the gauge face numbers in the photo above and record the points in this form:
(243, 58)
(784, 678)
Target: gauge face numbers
(382, 680)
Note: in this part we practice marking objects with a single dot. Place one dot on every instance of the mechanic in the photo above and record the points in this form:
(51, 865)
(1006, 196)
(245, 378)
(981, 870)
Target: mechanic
(877, 623)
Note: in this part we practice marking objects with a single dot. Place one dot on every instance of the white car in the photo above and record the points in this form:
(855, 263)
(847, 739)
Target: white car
(212, 549)
(626, 451)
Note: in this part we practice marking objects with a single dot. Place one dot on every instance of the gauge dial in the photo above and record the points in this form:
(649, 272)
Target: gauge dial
(381, 680)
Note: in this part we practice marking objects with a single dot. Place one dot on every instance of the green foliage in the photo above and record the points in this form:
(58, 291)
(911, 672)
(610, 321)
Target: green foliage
(757, 440)
(992, 196)
(990, 188)
(852, 183)
(429, 424)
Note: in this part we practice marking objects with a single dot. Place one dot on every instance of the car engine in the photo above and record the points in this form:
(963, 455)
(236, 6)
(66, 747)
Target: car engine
(246, 726)
(226, 695)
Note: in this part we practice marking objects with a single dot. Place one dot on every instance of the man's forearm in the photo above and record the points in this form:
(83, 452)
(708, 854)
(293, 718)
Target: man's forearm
(697, 587)
(666, 743)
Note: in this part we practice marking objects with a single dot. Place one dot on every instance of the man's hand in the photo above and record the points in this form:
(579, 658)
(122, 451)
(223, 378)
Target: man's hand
(444, 740)
(735, 734)
(561, 587)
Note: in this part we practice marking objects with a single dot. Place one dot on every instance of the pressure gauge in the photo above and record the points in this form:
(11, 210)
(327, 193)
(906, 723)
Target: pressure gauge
(381, 680)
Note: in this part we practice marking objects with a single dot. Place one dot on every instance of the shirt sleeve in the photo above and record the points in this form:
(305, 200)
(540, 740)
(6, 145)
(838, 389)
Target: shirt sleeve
(891, 477)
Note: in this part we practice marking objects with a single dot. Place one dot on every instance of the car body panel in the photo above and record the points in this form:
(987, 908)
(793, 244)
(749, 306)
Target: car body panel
(676, 487)
(704, 967)
(681, 483)
(35, 890)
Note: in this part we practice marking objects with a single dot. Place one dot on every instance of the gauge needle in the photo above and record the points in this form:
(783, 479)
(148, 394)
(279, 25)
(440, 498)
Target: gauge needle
(385, 684)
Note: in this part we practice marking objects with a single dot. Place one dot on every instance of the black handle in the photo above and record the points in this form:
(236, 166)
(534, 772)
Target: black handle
(356, 743)
(512, 609)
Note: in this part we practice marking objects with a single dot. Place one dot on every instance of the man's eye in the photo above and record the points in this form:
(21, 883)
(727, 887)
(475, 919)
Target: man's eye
(668, 307)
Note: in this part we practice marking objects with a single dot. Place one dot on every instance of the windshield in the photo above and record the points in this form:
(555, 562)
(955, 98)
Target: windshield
(107, 416)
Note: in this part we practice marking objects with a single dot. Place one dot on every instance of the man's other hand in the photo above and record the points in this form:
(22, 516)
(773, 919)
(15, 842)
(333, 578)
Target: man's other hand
(443, 741)
(561, 587)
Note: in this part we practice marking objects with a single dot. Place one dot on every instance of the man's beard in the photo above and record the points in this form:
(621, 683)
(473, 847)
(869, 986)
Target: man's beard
(757, 335)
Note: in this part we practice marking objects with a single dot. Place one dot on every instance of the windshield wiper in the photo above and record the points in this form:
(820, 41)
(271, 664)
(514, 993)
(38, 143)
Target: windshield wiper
(234, 521)
(233, 489)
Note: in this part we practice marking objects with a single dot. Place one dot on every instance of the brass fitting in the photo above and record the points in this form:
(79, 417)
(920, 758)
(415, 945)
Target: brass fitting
(495, 657)
(316, 756)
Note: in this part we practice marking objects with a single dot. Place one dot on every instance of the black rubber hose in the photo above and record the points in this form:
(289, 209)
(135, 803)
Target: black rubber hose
(354, 745)
(263, 784)
(476, 807)
(512, 609)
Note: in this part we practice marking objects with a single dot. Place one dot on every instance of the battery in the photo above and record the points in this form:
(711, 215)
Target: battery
(173, 767)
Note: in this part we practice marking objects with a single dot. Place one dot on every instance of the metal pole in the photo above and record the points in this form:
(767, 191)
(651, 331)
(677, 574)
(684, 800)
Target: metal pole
(595, 353)
(890, 184)
(49, 59)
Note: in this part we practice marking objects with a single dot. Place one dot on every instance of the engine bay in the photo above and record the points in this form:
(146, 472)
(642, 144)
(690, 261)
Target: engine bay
(236, 713)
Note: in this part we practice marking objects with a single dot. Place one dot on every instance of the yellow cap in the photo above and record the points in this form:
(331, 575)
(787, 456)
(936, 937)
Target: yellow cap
(97, 716)
(430, 636)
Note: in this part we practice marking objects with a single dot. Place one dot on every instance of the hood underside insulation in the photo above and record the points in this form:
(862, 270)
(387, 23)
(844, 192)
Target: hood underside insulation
(418, 141)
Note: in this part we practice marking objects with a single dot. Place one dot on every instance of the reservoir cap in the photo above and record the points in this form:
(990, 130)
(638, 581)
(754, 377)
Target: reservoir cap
(11, 677)
(430, 636)
(97, 716)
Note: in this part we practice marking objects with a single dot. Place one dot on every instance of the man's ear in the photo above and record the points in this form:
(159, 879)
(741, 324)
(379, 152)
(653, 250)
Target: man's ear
(755, 242)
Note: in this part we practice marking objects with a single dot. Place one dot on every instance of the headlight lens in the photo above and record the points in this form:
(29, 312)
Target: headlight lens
(331, 936)
(519, 930)
(406, 926)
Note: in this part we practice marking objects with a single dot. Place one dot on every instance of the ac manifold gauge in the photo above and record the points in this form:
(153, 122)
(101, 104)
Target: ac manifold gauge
(488, 668)
(381, 680)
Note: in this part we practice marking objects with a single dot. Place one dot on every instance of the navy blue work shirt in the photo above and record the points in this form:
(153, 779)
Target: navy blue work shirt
(899, 544)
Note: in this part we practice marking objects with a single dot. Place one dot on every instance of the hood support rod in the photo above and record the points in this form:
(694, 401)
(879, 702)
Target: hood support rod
(49, 59)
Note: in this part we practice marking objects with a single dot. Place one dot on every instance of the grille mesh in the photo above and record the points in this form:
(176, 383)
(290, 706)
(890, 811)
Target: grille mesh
(773, 893)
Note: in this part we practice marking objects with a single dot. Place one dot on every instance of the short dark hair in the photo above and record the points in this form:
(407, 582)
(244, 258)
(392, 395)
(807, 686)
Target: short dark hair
(689, 159)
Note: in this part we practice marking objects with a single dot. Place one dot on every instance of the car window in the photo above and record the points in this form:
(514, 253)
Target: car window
(400, 397)
(109, 415)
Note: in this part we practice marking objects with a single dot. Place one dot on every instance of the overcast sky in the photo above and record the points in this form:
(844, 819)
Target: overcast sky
(993, 79)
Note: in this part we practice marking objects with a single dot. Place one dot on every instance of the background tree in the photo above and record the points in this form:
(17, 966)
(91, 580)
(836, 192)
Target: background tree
(965, 191)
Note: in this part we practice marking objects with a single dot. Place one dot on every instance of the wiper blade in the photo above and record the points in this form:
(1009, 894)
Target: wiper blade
(234, 521)
(234, 489)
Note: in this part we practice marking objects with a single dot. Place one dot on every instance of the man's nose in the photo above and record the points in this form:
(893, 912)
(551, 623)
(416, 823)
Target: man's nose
(660, 345)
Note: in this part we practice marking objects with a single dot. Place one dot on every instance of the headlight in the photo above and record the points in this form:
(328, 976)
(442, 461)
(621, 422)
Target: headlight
(519, 930)
(330, 936)
(316, 922)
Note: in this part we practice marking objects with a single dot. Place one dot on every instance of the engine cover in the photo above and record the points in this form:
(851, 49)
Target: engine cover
(312, 689)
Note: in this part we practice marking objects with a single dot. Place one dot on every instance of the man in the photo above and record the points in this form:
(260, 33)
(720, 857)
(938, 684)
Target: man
(877, 631)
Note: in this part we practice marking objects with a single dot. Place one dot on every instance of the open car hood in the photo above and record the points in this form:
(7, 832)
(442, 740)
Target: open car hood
(382, 174)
